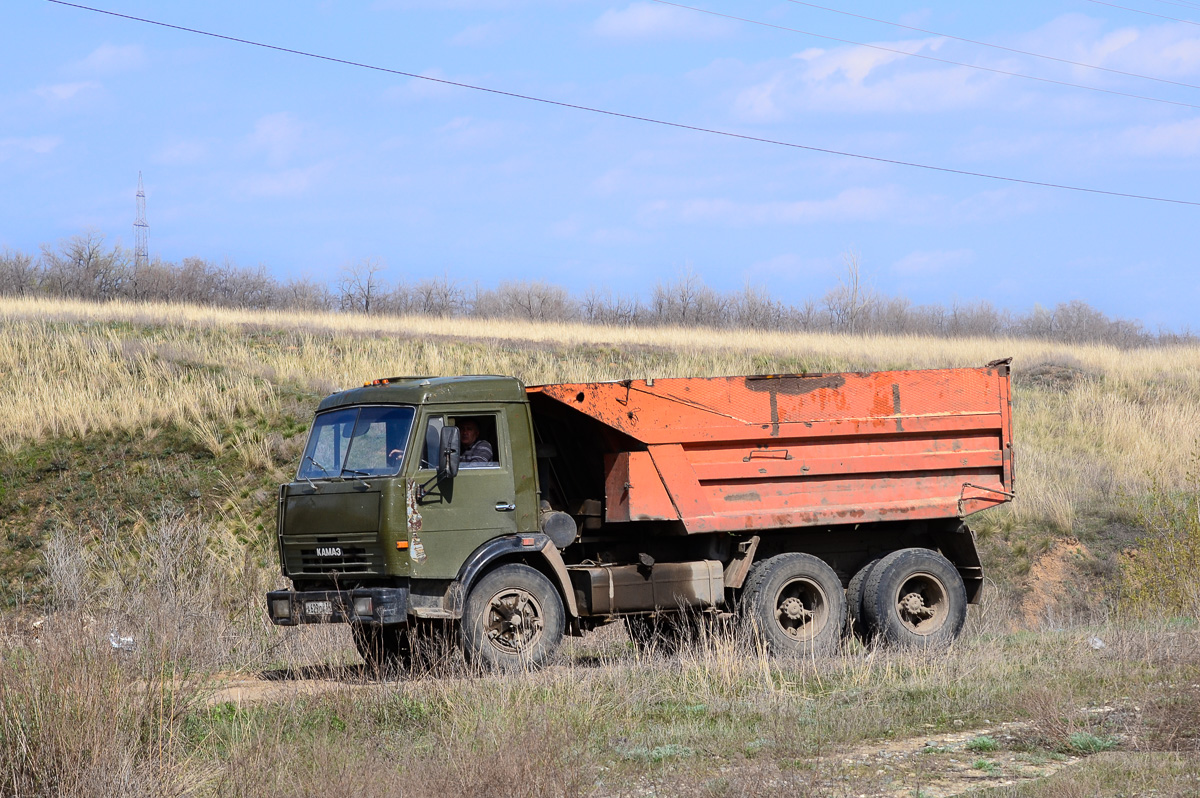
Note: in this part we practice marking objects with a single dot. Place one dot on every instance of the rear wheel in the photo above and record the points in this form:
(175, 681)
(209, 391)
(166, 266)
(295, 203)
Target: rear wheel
(797, 603)
(513, 619)
(856, 621)
(915, 598)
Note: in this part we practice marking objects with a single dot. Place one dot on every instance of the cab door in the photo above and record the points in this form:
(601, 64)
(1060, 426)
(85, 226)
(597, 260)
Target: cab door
(460, 514)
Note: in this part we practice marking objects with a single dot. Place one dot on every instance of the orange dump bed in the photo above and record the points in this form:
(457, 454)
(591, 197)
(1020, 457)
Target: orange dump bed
(744, 453)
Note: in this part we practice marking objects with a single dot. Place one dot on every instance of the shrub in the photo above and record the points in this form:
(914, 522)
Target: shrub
(1162, 575)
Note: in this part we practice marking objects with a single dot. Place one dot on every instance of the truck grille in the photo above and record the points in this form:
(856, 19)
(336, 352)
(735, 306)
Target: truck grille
(308, 556)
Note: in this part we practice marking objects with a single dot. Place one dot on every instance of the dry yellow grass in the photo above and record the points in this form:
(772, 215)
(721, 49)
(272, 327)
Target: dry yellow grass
(1127, 415)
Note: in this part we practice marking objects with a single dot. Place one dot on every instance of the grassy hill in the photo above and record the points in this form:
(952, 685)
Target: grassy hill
(118, 409)
(140, 450)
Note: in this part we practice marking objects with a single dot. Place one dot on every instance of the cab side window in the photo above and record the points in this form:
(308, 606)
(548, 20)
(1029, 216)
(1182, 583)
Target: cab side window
(480, 444)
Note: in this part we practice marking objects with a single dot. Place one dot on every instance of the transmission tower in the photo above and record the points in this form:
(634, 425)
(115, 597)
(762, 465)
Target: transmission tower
(141, 230)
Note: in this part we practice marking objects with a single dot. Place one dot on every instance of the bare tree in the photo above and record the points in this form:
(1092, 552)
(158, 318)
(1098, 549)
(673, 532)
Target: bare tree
(604, 307)
(305, 294)
(850, 302)
(433, 296)
(156, 281)
(535, 300)
(19, 274)
(84, 267)
(361, 286)
(687, 300)
(1037, 323)
(248, 288)
(81, 267)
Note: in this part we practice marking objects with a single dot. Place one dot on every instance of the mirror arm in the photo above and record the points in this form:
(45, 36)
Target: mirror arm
(422, 490)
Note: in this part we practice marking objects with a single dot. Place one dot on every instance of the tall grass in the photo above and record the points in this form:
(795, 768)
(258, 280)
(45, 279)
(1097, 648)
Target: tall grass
(604, 719)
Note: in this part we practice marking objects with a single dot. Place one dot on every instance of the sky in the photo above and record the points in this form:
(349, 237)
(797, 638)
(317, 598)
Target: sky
(306, 166)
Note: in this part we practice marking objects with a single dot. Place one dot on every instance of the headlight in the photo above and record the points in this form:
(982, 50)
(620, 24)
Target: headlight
(362, 605)
(281, 608)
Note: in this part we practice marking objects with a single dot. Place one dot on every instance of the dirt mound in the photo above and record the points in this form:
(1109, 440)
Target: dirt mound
(1056, 585)
(1055, 375)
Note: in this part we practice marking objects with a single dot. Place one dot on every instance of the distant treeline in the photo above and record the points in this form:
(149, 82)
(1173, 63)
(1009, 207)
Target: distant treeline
(84, 267)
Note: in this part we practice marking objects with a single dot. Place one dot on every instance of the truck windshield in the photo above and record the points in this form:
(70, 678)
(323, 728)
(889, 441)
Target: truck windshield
(357, 442)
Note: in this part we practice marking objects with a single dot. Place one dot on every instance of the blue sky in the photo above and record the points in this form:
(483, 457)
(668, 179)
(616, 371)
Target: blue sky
(305, 166)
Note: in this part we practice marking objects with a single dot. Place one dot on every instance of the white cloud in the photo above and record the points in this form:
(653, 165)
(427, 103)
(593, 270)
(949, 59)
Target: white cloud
(1173, 139)
(854, 204)
(468, 132)
(34, 145)
(614, 236)
(278, 136)
(1170, 50)
(421, 89)
(651, 21)
(110, 58)
(284, 183)
(63, 92)
(790, 267)
(857, 79)
(926, 262)
(481, 35)
(181, 152)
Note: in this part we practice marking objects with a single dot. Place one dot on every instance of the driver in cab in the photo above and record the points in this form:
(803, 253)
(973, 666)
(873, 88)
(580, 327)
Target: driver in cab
(475, 449)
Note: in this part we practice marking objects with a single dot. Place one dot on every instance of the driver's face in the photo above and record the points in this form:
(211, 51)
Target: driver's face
(469, 432)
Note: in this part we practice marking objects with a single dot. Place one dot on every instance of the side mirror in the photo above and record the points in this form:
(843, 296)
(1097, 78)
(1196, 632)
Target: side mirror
(451, 449)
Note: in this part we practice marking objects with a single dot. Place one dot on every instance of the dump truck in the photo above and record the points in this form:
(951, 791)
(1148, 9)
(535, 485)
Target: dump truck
(508, 516)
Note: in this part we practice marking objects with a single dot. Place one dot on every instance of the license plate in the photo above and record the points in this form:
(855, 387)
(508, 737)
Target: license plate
(318, 608)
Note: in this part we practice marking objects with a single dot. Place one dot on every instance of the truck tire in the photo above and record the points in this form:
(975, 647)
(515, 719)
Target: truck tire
(513, 619)
(915, 598)
(384, 649)
(797, 603)
(856, 621)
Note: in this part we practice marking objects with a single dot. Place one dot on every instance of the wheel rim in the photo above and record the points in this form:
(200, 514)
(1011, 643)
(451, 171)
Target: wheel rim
(514, 621)
(922, 604)
(801, 609)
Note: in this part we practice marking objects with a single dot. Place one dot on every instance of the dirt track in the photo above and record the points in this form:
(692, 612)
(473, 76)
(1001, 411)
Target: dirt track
(931, 765)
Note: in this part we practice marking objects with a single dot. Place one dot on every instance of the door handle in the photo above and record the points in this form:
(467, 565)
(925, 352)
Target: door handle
(505, 507)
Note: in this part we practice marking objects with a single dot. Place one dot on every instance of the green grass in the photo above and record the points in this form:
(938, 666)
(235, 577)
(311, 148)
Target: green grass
(983, 745)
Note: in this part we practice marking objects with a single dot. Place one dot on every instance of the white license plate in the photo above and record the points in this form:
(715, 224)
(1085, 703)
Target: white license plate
(318, 608)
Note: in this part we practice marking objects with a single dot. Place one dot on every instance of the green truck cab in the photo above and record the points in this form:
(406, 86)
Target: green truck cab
(387, 523)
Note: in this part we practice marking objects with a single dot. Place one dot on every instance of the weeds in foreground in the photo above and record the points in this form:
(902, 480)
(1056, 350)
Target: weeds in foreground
(718, 716)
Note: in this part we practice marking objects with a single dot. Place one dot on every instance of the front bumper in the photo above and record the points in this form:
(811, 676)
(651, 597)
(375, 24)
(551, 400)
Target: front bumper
(366, 605)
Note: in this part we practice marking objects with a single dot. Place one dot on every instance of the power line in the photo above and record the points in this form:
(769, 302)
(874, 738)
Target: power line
(994, 46)
(1180, 3)
(633, 117)
(1147, 13)
(927, 57)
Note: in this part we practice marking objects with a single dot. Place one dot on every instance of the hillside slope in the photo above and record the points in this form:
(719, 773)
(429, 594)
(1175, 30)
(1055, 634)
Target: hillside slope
(125, 412)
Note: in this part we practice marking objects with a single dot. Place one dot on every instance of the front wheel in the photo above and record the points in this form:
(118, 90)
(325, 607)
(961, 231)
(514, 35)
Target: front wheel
(513, 619)
(797, 603)
(915, 598)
